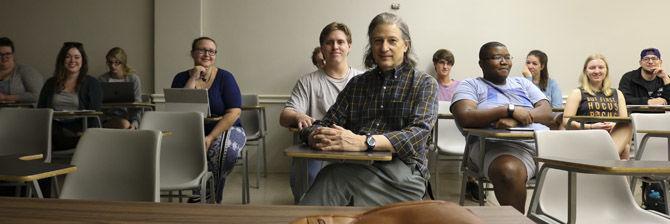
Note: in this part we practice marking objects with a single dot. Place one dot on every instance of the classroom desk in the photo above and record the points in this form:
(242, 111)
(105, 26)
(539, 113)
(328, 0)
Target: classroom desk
(583, 119)
(301, 152)
(80, 114)
(28, 168)
(16, 104)
(606, 167)
(138, 105)
(30, 210)
(483, 135)
(648, 108)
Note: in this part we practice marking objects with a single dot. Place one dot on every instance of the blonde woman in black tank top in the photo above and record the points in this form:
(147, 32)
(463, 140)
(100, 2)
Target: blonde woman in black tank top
(595, 97)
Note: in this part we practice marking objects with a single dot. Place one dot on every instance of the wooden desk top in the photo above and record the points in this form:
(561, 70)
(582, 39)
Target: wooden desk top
(253, 108)
(445, 116)
(24, 169)
(598, 119)
(30, 210)
(303, 151)
(15, 104)
(655, 132)
(616, 167)
(499, 133)
(647, 108)
(129, 104)
(74, 113)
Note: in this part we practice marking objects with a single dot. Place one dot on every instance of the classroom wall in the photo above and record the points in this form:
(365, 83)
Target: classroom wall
(267, 44)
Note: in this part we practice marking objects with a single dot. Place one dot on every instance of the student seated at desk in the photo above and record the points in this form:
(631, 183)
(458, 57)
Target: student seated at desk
(595, 97)
(224, 100)
(18, 82)
(119, 71)
(70, 88)
(443, 61)
(315, 92)
(499, 101)
(391, 107)
(537, 70)
(649, 84)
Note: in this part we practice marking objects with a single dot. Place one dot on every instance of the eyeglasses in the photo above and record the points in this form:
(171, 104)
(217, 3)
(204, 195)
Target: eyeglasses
(651, 59)
(205, 51)
(500, 58)
(9, 54)
(73, 44)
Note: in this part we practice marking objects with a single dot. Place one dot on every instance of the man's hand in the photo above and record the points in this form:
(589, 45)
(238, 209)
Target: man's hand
(504, 123)
(522, 115)
(208, 142)
(336, 139)
(657, 101)
(660, 73)
(303, 121)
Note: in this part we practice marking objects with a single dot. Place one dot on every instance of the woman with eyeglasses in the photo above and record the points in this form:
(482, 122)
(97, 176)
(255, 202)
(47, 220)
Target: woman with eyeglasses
(119, 71)
(536, 70)
(70, 88)
(18, 82)
(596, 97)
(224, 100)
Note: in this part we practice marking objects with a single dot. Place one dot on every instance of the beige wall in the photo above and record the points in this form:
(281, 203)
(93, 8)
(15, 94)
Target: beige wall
(267, 44)
(39, 28)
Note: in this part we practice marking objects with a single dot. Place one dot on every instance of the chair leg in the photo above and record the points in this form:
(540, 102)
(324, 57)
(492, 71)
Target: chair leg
(665, 194)
(265, 160)
(258, 166)
(170, 196)
(480, 182)
(245, 179)
(55, 187)
(437, 175)
(461, 198)
(181, 196)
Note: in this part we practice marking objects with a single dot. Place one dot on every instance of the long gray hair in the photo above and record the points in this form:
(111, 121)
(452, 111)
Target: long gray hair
(389, 19)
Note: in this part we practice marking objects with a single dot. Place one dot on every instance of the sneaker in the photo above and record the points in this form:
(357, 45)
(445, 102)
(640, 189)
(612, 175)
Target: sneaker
(653, 197)
(472, 189)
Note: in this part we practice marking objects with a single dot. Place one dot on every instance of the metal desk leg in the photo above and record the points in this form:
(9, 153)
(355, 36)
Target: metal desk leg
(38, 191)
(572, 197)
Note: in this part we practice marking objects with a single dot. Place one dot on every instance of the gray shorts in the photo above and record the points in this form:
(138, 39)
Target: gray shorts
(522, 150)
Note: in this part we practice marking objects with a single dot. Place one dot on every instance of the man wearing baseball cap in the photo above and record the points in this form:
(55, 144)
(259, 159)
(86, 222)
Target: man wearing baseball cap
(649, 84)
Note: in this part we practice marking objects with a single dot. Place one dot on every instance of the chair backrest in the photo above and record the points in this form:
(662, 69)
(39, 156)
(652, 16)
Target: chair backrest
(26, 131)
(449, 139)
(599, 197)
(183, 157)
(115, 164)
(252, 120)
(656, 148)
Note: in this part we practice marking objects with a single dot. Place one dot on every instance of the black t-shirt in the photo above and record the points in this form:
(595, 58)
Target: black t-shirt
(654, 88)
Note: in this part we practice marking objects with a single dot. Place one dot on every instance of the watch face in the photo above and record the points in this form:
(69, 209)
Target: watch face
(370, 141)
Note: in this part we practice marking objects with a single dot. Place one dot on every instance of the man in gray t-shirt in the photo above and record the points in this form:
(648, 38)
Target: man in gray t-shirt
(315, 92)
(499, 101)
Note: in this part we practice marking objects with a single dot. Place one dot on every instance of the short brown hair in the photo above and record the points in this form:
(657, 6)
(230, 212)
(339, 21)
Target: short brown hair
(444, 54)
(333, 27)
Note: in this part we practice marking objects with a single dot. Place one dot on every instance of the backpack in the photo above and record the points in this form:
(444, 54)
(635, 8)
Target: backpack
(653, 197)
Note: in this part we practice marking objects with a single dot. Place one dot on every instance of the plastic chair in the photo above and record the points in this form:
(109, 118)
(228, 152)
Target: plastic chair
(26, 131)
(183, 164)
(651, 148)
(600, 198)
(449, 142)
(255, 127)
(115, 165)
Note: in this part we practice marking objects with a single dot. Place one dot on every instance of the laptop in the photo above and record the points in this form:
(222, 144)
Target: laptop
(117, 92)
(187, 100)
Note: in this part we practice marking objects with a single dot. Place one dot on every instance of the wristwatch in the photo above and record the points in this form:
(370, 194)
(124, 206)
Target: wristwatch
(510, 110)
(370, 142)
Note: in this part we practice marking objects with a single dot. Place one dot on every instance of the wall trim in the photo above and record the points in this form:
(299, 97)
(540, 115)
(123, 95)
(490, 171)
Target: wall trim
(263, 99)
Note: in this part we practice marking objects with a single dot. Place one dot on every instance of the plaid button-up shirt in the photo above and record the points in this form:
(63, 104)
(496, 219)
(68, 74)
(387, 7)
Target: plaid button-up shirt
(401, 104)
